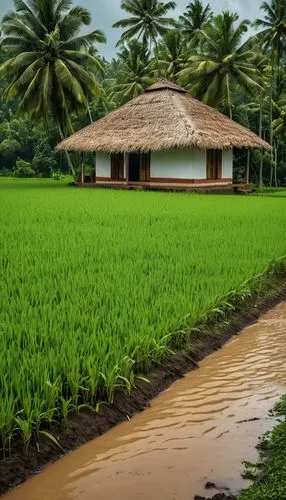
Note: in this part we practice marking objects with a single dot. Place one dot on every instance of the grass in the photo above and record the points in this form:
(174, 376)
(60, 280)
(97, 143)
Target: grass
(277, 194)
(272, 192)
(271, 471)
(96, 283)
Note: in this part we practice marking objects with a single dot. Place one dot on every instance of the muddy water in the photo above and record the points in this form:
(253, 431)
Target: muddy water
(198, 430)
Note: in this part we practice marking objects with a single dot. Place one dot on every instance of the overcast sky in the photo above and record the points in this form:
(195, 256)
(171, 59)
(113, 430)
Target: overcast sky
(106, 12)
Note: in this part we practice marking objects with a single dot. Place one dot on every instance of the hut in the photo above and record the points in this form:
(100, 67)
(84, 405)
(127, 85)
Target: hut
(164, 137)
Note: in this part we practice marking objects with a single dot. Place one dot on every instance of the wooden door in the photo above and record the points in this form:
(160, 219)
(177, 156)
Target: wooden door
(134, 163)
(145, 167)
(214, 164)
(117, 166)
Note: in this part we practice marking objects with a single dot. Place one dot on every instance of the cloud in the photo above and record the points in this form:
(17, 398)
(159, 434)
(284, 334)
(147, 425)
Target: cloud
(107, 12)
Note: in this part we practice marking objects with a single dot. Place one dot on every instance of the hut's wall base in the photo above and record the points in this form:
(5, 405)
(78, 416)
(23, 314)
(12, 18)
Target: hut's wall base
(223, 186)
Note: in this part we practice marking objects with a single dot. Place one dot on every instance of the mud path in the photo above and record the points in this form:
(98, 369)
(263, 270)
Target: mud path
(197, 431)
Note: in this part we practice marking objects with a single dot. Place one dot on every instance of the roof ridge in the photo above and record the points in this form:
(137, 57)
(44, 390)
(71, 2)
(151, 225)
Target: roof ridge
(164, 84)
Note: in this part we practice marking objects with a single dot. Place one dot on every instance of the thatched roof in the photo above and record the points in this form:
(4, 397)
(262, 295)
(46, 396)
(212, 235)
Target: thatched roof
(164, 117)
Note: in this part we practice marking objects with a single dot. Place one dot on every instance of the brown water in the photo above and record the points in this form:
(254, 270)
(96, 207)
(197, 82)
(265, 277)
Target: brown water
(196, 431)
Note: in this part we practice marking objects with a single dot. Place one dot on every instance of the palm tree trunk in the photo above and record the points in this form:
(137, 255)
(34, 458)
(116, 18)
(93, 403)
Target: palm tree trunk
(89, 114)
(94, 154)
(271, 121)
(70, 164)
(261, 169)
(271, 172)
(82, 168)
(276, 147)
(275, 144)
(156, 56)
(248, 167)
(260, 135)
(95, 167)
(228, 96)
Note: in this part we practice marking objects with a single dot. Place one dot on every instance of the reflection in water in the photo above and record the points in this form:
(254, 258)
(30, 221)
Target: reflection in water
(199, 430)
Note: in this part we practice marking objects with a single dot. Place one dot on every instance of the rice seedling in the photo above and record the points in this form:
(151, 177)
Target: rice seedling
(95, 285)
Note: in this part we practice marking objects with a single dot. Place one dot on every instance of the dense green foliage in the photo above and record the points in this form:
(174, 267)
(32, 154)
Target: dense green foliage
(96, 283)
(47, 65)
(271, 472)
(223, 65)
(277, 192)
(54, 71)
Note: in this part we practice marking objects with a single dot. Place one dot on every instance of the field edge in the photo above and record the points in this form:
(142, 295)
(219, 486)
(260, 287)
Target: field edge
(268, 473)
(210, 335)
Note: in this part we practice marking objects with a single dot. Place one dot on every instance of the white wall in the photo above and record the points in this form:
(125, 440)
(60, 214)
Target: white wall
(179, 164)
(103, 166)
(174, 164)
(227, 164)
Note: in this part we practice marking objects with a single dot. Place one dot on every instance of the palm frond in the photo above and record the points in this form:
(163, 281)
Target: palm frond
(80, 57)
(69, 82)
(85, 78)
(83, 41)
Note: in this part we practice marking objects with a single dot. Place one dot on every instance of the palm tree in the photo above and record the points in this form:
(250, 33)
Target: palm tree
(222, 64)
(273, 36)
(279, 130)
(260, 106)
(194, 19)
(49, 66)
(171, 55)
(148, 20)
(274, 28)
(279, 124)
(133, 72)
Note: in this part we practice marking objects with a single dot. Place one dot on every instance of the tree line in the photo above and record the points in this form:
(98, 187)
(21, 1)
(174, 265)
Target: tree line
(53, 80)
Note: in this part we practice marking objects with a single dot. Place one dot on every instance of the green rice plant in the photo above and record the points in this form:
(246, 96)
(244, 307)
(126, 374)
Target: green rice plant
(65, 409)
(51, 438)
(96, 285)
(7, 427)
(26, 428)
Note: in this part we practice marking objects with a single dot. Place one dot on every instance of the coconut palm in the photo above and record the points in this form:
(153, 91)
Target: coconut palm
(273, 27)
(273, 113)
(147, 22)
(273, 36)
(171, 55)
(261, 107)
(279, 124)
(258, 112)
(133, 72)
(49, 66)
(222, 63)
(194, 19)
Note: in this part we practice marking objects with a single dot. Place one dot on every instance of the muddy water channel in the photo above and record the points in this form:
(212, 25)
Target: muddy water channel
(199, 430)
